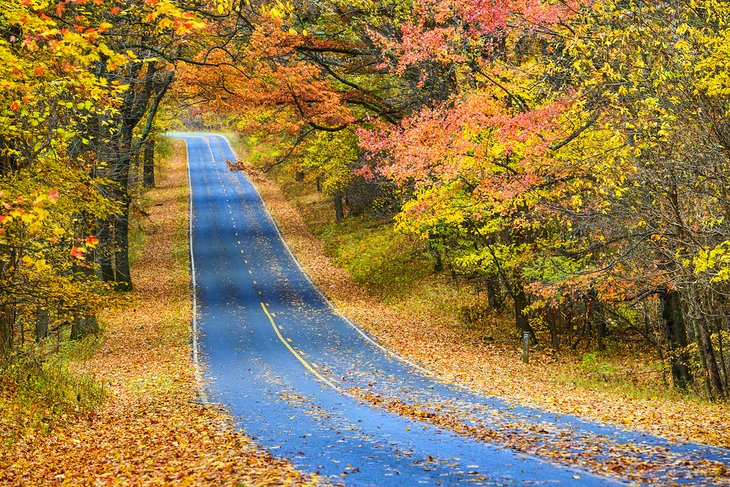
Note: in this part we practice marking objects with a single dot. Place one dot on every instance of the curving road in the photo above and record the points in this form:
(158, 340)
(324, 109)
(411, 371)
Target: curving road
(289, 368)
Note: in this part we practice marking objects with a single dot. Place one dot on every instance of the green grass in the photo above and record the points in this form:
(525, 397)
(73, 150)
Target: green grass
(614, 371)
(376, 256)
(163, 149)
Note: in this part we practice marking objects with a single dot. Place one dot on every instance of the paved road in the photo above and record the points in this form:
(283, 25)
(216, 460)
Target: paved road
(275, 353)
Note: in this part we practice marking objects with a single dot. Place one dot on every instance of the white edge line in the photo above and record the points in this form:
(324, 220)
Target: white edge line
(326, 299)
(193, 284)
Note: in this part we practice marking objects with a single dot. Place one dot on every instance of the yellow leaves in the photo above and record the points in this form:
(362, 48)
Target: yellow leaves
(104, 49)
(279, 10)
(224, 6)
(715, 262)
(39, 265)
(576, 201)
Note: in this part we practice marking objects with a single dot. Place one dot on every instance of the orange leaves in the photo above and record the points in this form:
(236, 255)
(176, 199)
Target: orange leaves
(77, 253)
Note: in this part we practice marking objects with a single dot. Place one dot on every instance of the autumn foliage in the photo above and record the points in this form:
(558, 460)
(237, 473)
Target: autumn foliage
(571, 157)
(82, 83)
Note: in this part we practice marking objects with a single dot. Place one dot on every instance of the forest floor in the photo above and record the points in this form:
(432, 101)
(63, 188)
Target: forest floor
(422, 325)
(151, 428)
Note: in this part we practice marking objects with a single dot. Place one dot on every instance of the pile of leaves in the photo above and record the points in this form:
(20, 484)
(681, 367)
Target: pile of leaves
(153, 429)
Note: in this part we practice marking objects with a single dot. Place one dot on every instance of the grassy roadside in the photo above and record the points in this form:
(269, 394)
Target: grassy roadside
(151, 429)
(420, 318)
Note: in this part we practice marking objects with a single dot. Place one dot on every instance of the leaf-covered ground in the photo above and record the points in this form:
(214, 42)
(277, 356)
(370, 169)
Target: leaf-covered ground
(460, 355)
(152, 429)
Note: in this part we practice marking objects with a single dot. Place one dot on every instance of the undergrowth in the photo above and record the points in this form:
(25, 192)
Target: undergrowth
(40, 389)
(377, 257)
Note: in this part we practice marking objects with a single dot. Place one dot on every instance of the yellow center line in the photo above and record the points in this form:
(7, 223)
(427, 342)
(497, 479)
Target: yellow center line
(294, 352)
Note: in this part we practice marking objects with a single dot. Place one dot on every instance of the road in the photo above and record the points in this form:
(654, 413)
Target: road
(309, 385)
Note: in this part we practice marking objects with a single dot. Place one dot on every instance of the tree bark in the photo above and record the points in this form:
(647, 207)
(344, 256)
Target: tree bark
(120, 192)
(712, 368)
(83, 326)
(675, 332)
(106, 250)
(438, 261)
(148, 164)
(339, 207)
(494, 295)
(521, 321)
(42, 322)
(7, 320)
(122, 275)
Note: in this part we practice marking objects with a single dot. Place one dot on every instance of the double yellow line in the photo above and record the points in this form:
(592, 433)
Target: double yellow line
(296, 354)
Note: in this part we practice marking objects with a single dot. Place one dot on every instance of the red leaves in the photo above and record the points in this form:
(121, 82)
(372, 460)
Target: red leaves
(77, 253)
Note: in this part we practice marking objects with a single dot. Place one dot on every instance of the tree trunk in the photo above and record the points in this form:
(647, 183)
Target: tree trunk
(554, 336)
(494, 295)
(106, 250)
(7, 320)
(122, 275)
(84, 325)
(712, 369)
(675, 331)
(120, 175)
(521, 321)
(339, 208)
(42, 322)
(148, 165)
(438, 261)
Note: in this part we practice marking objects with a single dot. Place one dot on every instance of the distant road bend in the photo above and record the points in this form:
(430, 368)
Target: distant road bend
(275, 353)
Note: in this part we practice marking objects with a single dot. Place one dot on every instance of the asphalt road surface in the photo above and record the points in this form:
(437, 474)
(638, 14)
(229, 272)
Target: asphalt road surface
(274, 352)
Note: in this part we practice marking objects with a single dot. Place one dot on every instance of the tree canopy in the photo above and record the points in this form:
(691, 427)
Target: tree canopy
(571, 155)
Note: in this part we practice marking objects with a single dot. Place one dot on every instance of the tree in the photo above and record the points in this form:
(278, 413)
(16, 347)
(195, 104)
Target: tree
(139, 43)
(48, 202)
